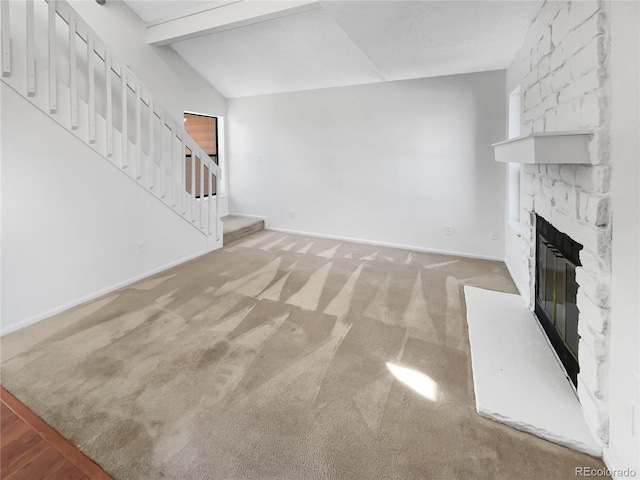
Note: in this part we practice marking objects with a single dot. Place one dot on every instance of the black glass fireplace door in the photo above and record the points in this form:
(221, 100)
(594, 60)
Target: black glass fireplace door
(556, 289)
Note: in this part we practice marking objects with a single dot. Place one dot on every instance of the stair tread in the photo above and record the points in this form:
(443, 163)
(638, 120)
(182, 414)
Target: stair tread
(236, 227)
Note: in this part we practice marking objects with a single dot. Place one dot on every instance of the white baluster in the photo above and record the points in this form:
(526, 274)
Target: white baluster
(183, 176)
(125, 135)
(217, 207)
(92, 88)
(53, 86)
(6, 38)
(31, 58)
(138, 164)
(200, 207)
(174, 180)
(109, 119)
(163, 186)
(210, 178)
(152, 163)
(73, 74)
(166, 182)
(193, 185)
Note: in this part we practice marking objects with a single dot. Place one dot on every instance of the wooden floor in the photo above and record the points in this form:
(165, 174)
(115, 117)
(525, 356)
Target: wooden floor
(31, 449)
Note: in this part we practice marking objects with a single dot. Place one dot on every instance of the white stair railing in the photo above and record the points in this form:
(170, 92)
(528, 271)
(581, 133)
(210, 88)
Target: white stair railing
(69, 74)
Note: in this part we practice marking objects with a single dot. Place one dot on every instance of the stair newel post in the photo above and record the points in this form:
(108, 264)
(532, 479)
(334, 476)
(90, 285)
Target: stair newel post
(92, 87)
(109, 119)
(73, 73)
(152, 162)
(138, 164)
(125, 134)
(6, 38)
(53, 85)
(31, 57)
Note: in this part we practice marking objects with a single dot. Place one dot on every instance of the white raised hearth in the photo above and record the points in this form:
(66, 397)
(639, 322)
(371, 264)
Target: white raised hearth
(517, 378)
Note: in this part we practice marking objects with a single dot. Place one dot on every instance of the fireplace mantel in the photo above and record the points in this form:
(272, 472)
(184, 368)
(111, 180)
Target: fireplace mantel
(545, 148)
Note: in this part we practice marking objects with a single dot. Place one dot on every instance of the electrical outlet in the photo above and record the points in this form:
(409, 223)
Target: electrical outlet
(292, 214)
(448, 230)
(493, 235)
(140, 248)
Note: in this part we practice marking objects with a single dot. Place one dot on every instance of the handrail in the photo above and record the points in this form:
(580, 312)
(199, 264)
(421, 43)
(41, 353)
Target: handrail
(174, 194)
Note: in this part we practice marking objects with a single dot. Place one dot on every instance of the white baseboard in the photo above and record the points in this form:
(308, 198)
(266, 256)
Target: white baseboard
(383, 244)
(91, 296)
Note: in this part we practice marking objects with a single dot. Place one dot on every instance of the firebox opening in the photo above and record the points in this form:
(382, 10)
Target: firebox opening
(557, 257)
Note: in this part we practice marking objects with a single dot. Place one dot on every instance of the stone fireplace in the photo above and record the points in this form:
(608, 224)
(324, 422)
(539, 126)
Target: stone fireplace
(563, 71)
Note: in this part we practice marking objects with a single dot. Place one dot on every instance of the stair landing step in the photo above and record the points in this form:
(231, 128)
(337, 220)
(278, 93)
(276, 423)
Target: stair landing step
(236, 227)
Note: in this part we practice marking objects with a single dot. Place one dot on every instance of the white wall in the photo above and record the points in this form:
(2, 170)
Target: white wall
(390, 163)
(624, 377)
(71, 222)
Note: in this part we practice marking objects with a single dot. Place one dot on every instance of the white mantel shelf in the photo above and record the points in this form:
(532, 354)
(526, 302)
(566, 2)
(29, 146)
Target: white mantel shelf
(550, 147)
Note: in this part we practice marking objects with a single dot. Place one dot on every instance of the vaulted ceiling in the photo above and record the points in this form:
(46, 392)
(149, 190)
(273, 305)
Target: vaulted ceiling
(313, 44)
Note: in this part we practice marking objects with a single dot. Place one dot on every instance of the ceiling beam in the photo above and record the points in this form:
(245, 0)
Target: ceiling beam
(222, 16)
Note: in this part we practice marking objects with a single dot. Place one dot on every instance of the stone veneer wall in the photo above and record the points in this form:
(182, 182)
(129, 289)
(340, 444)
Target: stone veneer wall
(566, 88)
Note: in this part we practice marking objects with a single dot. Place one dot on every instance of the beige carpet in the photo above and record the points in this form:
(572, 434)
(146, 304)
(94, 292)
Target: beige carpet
(279, 357)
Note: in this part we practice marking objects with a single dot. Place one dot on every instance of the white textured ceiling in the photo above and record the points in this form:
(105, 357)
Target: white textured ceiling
(354, 42)
(299, 52)
(417, 39)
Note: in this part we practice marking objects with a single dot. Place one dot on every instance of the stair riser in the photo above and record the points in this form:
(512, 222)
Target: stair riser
(236, 235)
